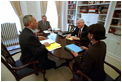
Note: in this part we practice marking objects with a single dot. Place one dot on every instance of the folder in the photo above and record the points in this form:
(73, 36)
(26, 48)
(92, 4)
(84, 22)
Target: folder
(53, 46)
(73, 47)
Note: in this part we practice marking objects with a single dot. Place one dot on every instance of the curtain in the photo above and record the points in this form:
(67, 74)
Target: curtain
(43, 7)
(17, 8)
(58, 6)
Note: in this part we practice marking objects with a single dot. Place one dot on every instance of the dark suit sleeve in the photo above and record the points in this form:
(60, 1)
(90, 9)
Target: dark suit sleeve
(35, 46)
(85, 37)
(84, 34)
(49, 26)
(38, 26)
(85, 63)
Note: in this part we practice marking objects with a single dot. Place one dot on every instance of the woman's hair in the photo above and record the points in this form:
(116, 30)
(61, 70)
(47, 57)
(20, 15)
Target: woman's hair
(97, 30)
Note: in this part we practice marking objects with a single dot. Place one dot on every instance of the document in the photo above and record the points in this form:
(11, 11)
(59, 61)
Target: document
(70, 38)
(50, 41)
(46, 31)
(53, 46)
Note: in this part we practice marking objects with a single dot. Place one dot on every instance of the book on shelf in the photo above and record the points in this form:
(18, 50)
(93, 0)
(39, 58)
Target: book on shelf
(73, 47)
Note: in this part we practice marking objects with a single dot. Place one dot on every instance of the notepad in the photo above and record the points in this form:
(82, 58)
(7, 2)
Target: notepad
(73, 47)
(70, 38)
(53, 46)
(46, 31)
(50, 41)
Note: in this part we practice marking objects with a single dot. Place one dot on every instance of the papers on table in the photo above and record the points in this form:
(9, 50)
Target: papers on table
(53, 44)
(70, 38)
(50, 41)
(46, 31)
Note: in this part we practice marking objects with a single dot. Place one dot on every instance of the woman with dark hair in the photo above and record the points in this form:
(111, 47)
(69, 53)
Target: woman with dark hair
(92, 62)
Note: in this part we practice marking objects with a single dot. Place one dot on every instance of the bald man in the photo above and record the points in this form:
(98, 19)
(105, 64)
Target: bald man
(80, 32)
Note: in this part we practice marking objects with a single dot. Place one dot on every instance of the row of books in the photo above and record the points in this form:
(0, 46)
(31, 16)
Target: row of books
(72, 2)
(72, 7)
(71, 17)
(71, 22)
(71, 12)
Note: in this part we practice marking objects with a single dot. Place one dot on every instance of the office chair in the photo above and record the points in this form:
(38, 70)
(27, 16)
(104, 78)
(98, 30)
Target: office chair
(17, 68)
(71, 28)
(108, 78)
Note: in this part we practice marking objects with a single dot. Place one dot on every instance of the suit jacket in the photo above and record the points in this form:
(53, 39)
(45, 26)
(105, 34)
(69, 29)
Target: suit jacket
(92, 62)
(84, 34)
(31, 48)
(41, 27)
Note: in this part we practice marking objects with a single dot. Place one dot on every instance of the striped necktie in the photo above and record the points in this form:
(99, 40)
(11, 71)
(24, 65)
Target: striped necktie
(79, 34)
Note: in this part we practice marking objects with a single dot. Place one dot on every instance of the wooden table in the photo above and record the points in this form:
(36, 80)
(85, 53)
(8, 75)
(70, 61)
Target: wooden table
(62, 52)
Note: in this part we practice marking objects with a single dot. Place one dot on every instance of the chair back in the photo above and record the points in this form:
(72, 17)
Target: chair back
(9, 34)
(71, 28)
(6, 55)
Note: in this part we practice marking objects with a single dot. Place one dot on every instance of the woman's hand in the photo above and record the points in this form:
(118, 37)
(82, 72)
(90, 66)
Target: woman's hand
(83, 47)
(74, 53)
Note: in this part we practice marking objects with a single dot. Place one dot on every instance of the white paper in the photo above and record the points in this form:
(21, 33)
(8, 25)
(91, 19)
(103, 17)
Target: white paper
(46, 31)
(50, 41)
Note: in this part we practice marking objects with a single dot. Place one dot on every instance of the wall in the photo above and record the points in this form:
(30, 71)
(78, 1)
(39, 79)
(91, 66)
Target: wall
(63, 16)
(31, 7)
(24, 7)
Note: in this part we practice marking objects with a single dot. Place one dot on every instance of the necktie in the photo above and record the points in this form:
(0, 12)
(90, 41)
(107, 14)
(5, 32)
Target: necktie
(79, 34)
(44, 26)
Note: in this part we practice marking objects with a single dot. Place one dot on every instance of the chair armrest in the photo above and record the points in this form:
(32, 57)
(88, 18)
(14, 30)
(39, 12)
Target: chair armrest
(82, 74)
(19, 68)
(116, 69)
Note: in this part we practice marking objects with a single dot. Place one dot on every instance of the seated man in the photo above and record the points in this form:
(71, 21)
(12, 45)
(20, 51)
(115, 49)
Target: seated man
(32, 49)
(43, 24)
(80, 32)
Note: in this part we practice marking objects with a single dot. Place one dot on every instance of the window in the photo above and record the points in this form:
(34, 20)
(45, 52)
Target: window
(51, 14)
(8, 15)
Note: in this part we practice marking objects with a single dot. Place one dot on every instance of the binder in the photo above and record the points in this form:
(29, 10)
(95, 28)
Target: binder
(73, 47)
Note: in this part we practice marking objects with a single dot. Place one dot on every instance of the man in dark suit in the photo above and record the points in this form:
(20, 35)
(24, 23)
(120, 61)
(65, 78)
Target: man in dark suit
(43, 25)
(31, 47)
(80, 32)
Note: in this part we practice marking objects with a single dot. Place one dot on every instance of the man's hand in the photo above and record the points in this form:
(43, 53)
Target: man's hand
(49, 30)
(37, 31)
(41, 38)
(46, 44)
(83, 47)
(68, 36)
(74, 53)
(75, 38)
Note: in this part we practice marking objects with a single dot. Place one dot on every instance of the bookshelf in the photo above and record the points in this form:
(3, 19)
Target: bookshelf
(97, 9)
(116, 20)
(71, 16)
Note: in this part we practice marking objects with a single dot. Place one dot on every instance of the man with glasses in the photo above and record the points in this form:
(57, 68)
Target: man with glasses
(80, 32)
(43, 25)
